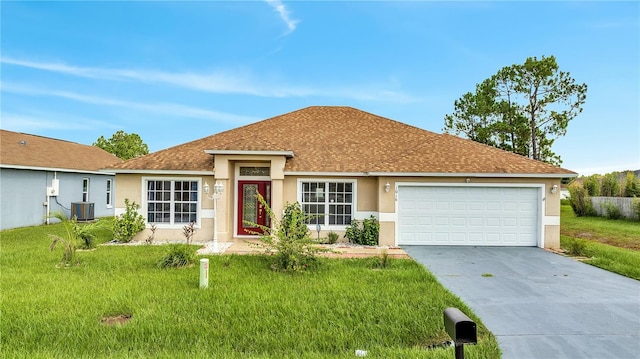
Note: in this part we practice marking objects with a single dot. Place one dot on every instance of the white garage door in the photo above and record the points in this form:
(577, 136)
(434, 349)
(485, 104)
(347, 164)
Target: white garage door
(484, 216)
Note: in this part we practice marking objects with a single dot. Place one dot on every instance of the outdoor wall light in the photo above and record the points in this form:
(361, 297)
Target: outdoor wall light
(387, 187)
(218, 188)
(554, 189)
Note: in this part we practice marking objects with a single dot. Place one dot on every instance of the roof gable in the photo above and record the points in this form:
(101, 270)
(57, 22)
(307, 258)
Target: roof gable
(344, 139)
(31, 151)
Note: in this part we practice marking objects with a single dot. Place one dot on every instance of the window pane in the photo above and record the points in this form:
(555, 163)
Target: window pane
(337, 197)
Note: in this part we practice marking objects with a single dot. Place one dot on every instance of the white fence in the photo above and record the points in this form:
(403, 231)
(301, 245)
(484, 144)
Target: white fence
(624, 204)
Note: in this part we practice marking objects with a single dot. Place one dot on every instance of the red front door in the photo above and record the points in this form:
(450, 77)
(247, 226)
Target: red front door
(251, 212)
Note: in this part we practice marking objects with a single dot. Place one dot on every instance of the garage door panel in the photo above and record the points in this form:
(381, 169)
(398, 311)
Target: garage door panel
(476, 205)
(492, 222)
(510, 222)
(475, 222)
(459, 237)
(462, 215)
(493, 206)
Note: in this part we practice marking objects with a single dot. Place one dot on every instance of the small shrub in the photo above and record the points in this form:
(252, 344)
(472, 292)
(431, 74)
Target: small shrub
(332, 237)
(383, 260)
(365, 232)
(580, 201)
(128, 224)
(613, 212)
(291, 224)
(370, 231)
(177, 255)
(151, 236)
(288, 241)
(189, 231)
(576, 247)
(353, 233)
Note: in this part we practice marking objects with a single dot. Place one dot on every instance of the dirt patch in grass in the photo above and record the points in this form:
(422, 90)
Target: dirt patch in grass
(616, 242)
(120, 319)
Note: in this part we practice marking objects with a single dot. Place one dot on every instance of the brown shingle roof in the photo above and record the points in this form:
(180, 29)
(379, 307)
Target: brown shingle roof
(21, 149)
(344, 139)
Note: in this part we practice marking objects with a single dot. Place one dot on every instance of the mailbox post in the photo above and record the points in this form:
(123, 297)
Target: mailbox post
(461, 329)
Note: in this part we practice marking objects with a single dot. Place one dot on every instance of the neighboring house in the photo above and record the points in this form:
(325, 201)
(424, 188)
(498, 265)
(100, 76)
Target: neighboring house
(342, 164)
(40, 175)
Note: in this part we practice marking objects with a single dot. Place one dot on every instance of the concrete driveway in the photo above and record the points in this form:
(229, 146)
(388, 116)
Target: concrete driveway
(540, 304)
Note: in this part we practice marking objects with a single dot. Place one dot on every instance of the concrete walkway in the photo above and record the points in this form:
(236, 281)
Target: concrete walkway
(540, 304)
(338, 250)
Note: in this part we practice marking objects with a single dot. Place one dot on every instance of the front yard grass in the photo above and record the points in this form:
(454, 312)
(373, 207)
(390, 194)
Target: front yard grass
(613, 245)
(248, 311)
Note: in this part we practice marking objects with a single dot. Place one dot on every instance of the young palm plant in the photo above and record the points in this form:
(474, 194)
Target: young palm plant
(77, 235)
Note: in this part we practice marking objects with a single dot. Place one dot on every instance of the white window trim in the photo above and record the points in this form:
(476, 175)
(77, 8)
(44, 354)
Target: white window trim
(109, 193)
(354, 209)
(144, 204)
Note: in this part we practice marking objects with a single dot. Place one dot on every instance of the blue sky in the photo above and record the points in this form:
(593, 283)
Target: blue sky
(173, 72)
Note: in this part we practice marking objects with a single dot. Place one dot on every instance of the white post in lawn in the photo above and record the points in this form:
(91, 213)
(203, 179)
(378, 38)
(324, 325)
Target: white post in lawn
(204, 273)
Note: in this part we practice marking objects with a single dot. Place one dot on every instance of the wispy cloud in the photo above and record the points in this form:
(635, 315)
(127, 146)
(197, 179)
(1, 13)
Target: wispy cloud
(284, 14)
(164, 108)
(222, 82)
(35, 122)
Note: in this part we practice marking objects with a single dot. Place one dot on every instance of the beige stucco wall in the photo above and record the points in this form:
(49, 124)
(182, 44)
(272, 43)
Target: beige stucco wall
(130, 186)
(371, 198)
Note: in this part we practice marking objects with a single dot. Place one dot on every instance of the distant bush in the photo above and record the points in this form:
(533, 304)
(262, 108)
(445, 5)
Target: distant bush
(592, 185)
(610, 186)
(580, 201)
(635, 203)
(613, 212)
(631, 185)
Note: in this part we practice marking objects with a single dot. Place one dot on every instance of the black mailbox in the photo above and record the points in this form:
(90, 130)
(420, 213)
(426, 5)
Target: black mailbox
(459, 327)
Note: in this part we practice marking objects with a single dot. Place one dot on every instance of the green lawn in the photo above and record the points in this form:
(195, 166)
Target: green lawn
(248, 311)
(613, 245)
